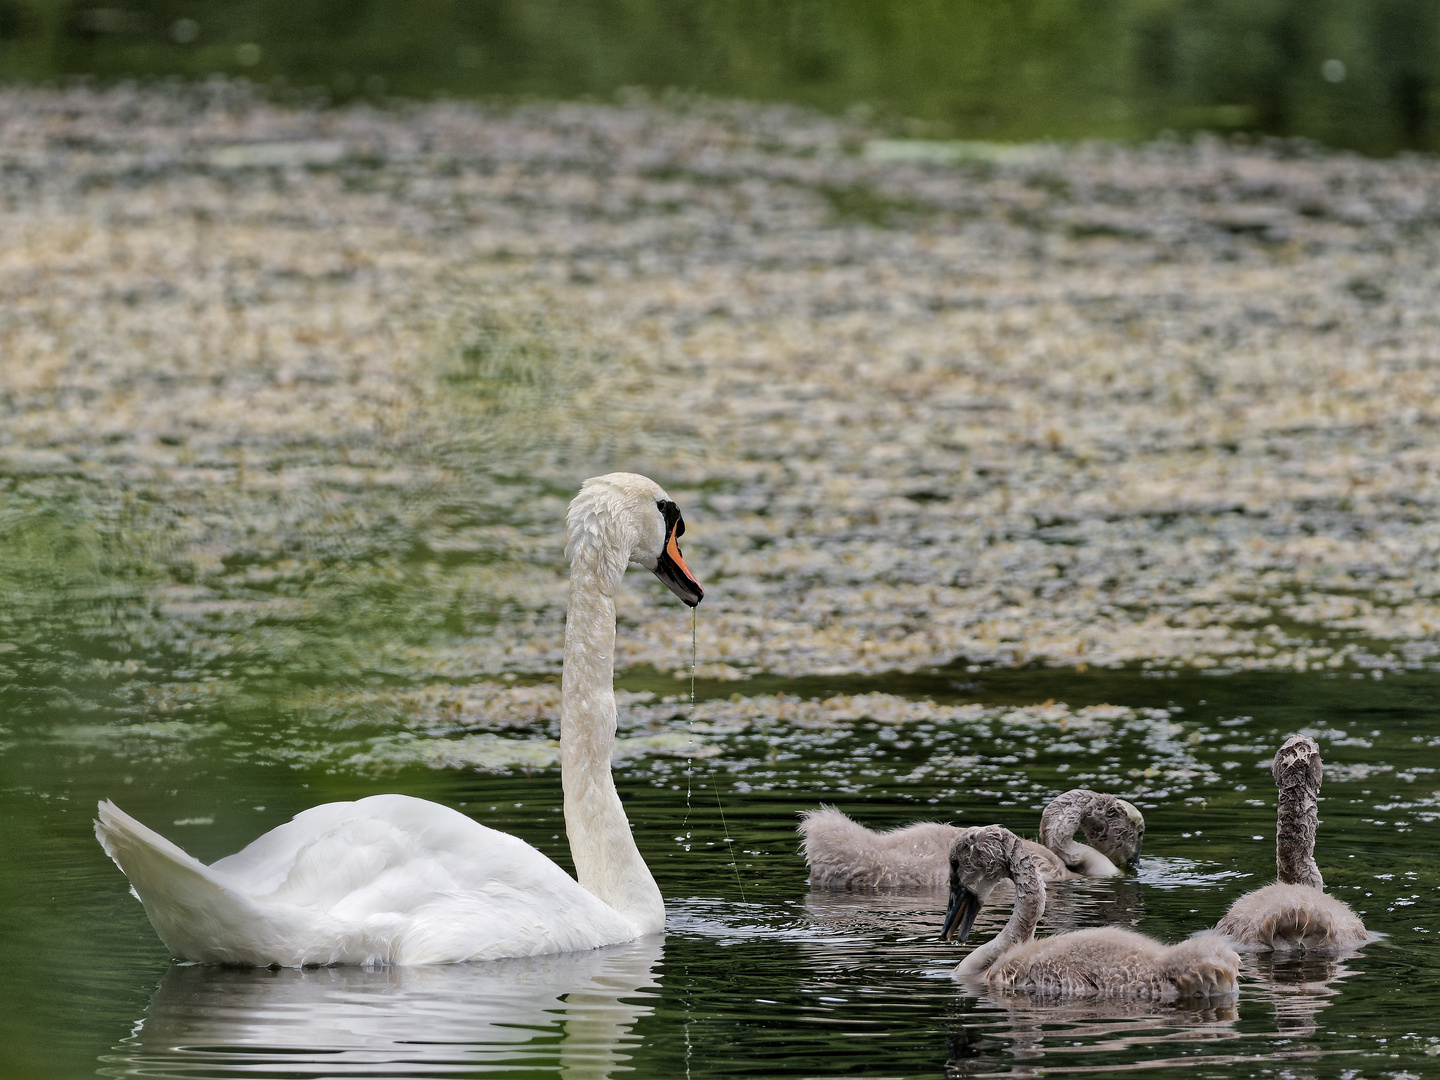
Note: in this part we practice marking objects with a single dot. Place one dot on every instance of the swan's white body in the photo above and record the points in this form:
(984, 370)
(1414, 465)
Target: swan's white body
(397, 880)
(388, 879)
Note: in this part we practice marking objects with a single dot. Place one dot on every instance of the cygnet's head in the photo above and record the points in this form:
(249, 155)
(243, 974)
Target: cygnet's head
(980, 858)
(1298, 764)
(1112, 826)
(625, 518)
(1116, 829)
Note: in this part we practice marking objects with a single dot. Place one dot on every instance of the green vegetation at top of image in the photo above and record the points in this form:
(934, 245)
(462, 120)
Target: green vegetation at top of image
(1356, 73)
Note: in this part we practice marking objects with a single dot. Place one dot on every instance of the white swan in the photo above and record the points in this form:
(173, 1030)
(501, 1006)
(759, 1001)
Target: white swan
(1105, 962)
(1296, 912)
(397, 880)
(843, 854)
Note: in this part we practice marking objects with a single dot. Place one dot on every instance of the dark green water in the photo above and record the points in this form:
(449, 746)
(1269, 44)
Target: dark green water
(1349, 72)
(756, 975)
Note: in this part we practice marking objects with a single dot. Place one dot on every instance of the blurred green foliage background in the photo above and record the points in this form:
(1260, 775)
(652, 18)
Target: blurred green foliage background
(1345, 72)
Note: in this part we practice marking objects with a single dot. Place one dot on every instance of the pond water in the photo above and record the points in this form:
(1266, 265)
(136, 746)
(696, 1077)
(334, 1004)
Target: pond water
(1354, 73)
(756, 974)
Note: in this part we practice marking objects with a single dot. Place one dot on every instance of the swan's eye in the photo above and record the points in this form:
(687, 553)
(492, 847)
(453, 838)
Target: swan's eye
(674, 523)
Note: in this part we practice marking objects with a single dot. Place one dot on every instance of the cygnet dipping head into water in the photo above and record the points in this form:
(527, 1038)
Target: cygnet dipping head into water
(843, 854)
(1114, 828)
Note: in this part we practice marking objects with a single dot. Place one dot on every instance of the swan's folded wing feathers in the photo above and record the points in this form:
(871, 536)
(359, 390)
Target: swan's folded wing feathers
(264, 864)
(404, 880)
(328, 851)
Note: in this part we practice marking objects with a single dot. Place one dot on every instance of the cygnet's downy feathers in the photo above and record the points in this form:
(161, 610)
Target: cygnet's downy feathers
(1295, 913)
(1106, 962)
(842, 854)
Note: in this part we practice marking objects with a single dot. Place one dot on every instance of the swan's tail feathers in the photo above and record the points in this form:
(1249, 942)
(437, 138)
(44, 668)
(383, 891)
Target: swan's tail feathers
(1203, 966)
(190, 908)
(128, 842)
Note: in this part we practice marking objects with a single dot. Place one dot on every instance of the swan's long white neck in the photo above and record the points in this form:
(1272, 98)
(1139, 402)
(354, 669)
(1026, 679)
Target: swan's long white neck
(607, 862)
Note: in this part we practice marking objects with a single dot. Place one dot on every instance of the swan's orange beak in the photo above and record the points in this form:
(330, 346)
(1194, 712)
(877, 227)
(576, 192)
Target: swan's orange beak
(671, 569)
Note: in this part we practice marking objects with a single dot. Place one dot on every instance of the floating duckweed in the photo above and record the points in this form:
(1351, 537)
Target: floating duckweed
(1098, 406)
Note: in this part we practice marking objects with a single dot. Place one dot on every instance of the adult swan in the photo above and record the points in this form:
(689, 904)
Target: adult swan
(396, 880)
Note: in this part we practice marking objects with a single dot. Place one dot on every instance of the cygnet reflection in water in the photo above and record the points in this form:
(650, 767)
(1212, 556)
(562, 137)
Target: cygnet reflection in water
(992, 1031)
(1082, 902)
(572, 1012)
(1297, 987)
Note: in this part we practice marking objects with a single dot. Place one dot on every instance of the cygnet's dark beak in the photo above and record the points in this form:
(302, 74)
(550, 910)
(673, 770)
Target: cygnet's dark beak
(960, 915)
(1134, 863)
(670, 567)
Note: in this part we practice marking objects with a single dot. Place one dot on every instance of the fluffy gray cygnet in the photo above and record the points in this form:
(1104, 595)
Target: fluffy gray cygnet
(1295, 913)
(843, 854)
(1106, 962)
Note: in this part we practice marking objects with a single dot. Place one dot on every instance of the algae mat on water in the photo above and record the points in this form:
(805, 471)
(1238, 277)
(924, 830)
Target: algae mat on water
(1166, 405)
(983, 462)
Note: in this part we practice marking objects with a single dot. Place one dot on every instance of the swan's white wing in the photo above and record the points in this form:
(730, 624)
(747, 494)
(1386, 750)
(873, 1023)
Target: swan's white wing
(324, 854)
(403, 880)
(392, 879)
(331, 849)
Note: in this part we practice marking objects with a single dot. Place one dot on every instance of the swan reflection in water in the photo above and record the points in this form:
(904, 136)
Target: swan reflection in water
(573, 1013)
